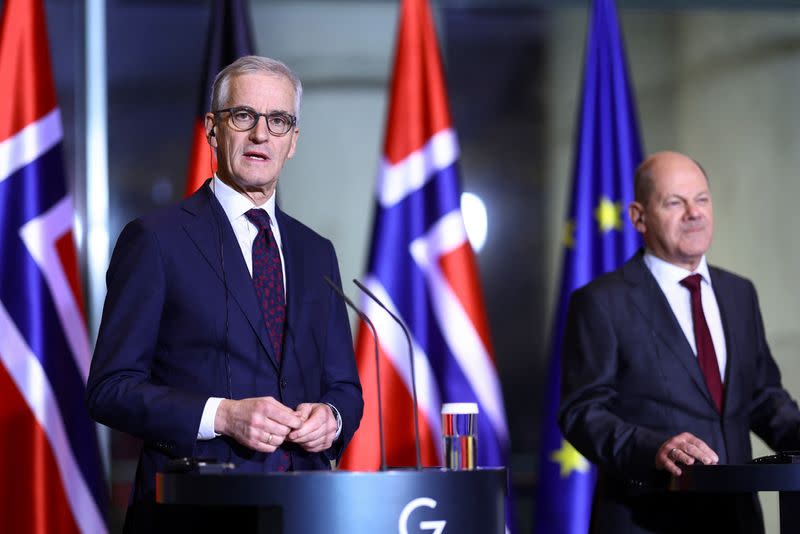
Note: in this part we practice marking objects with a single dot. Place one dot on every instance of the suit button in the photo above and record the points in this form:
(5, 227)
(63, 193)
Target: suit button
(283, 383)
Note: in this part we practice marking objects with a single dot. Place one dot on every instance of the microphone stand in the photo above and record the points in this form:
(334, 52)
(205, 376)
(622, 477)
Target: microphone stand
(399, 321)
(377, 364)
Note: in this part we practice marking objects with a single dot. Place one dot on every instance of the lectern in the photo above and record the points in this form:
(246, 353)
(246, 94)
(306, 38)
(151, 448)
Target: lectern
(748, 478)
(316, 502)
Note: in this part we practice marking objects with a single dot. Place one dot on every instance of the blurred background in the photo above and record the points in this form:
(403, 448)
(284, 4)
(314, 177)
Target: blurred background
(716, 79)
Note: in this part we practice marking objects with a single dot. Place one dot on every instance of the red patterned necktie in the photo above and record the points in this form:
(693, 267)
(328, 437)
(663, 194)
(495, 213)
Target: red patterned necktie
(706, 355)
(268, 282)
(268, 279)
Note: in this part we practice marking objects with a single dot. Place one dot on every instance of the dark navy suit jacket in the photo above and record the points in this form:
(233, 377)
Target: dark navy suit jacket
(181, 323)
(630, 381)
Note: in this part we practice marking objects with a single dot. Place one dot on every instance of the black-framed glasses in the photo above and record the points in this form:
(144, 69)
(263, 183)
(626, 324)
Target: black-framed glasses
(244, 119)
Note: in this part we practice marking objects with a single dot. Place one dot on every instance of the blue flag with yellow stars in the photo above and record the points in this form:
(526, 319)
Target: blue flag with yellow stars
(597, 238)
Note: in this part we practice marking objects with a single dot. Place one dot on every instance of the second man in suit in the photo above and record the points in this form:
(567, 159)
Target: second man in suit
(666, 364)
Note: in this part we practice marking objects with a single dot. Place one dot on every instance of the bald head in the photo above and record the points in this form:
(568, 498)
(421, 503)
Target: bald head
(656, 164)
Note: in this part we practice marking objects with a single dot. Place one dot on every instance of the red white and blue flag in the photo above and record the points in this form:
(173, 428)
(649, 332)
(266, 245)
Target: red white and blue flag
(51, 478)
(422, 266)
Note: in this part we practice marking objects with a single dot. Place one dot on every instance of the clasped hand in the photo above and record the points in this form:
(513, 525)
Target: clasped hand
(264, 423)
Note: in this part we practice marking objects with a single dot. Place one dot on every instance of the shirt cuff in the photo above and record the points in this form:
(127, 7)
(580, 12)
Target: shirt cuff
(206, 430)
(338, 420)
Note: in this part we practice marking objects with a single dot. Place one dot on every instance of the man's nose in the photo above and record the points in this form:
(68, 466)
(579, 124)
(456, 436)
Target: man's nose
(692, 210)
(260, 132)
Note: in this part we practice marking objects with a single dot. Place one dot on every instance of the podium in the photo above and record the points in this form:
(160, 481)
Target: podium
(311, 502)
(748, 478)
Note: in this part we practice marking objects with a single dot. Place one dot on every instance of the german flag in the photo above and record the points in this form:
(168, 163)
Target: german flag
(229, 38)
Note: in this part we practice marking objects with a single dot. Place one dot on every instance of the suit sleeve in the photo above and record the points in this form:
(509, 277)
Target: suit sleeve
(590, 364)
(774, 417)
(121, 391)
(342, 387)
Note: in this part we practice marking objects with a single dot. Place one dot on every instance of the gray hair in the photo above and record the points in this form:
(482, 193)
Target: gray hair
(253, 65)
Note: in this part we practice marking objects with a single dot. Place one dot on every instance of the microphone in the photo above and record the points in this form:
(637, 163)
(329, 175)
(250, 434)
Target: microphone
(377, 362)
(218, 220)
(399, 321)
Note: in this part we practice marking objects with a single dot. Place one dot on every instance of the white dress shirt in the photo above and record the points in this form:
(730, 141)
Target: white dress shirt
(669, 278)
(235, 205)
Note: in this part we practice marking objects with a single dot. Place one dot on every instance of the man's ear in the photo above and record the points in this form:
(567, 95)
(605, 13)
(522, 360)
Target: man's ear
(211, 130)
(293, 146)
(636, 214)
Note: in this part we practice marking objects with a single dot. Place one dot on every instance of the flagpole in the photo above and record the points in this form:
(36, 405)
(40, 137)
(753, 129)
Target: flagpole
(97, 235)
(96, 159)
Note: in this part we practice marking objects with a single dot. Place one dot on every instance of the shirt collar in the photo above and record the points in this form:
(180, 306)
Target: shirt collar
(667, 273)
(236, 205)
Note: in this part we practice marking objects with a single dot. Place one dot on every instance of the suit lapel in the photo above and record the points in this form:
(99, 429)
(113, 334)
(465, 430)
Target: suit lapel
(293, 266)
(727, 309)
(204, 230)
(654, 306)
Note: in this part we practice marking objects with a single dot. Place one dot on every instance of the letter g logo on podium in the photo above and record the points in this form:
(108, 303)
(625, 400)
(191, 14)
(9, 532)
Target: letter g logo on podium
(436, 527)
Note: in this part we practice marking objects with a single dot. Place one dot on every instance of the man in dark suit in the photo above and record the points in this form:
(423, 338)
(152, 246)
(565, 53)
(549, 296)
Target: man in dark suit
(665, 364)
(220, 337)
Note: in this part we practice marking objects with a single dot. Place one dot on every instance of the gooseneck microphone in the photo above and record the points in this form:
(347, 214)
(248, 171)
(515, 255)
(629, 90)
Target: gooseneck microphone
(399, 321)
(363, 315)
(218, 221)
(212, 205)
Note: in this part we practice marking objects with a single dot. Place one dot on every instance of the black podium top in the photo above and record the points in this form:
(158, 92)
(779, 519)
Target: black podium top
(334, 502)
(744, 478)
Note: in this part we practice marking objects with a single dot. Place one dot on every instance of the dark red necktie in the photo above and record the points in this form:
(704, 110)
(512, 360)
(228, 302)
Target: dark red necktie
(268, 282)
(268, 279)
(706, 355)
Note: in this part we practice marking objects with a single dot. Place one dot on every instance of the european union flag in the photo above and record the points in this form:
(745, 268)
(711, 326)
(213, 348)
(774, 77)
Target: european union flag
(597, 239)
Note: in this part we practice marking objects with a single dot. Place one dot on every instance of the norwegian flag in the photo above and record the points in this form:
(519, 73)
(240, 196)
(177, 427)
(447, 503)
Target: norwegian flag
(421, 265)
(51, 479)
(229, 38)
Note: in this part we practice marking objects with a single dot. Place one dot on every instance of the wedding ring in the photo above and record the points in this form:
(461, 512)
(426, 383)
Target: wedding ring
(670, 456)
(269, 440)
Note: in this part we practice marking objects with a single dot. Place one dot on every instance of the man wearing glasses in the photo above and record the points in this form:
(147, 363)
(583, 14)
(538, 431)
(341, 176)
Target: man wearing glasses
(220, 338)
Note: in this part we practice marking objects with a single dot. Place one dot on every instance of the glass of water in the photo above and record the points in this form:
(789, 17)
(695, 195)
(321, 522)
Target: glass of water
(460, 435)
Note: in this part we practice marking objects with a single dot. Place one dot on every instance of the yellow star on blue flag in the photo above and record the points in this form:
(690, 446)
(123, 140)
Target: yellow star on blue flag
(569, 459)
(608, 215)
(568, 239)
